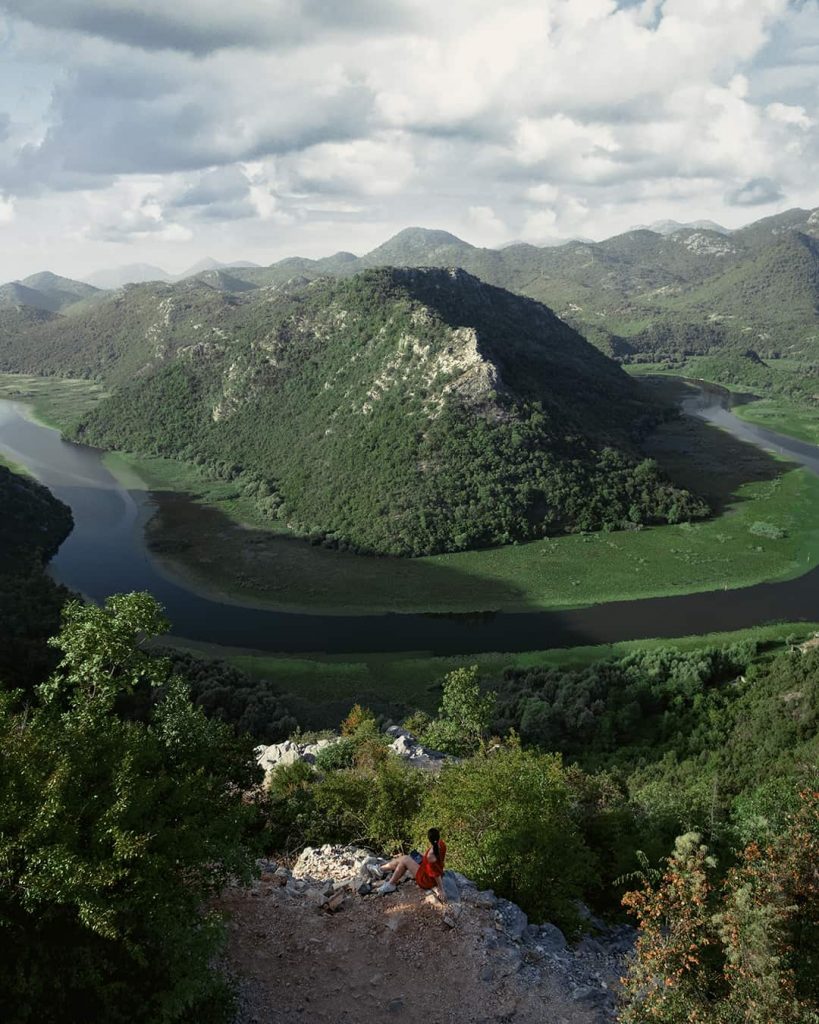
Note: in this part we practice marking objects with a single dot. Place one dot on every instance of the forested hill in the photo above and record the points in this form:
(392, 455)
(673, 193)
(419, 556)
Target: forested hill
(399, 412)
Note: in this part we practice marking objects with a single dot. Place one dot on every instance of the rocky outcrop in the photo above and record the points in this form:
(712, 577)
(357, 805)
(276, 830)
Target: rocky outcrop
(276, 754)
(525, 962)
(403, 745)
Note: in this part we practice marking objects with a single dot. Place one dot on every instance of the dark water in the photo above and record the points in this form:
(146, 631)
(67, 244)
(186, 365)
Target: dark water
(106, 554)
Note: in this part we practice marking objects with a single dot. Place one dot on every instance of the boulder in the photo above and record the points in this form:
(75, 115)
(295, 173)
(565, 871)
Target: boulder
(551, 939)
(483, 900)
(511, 919)
(453, 893)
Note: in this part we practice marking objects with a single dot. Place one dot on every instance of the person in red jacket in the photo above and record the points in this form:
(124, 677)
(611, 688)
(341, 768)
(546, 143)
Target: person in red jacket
(428, 871)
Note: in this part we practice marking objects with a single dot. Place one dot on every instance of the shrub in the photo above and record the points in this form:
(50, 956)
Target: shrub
(417, 723)
(375, 807)
(508, 823)
(355, 719)
(340, 754)
(290, 806)
(743, 950)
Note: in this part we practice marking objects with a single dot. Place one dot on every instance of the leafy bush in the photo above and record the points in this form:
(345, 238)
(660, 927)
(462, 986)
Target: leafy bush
(507, 820)
(375, 806)
(340, 754)
(224, 692)
(417, 723)
(289, 807)
(355, 719)
(113, 832)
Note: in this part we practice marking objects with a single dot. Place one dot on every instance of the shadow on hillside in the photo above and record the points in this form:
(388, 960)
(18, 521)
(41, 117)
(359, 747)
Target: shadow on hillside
(281, 569)
(709, 461)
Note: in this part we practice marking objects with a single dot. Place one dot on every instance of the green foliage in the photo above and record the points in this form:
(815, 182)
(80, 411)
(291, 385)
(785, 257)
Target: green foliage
(708, 739)
(336, 755)
(114, 830)
(290, 807)
(464, 715)
(417, 723)
(507, 819)
(373, 806)
(741, 949)
(251, 705)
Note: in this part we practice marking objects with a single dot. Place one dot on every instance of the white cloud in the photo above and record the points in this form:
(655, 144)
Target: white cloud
(204, 124)
(784, 114)
(544, 193)
(6, 210)
(486, 225)
(539, 225)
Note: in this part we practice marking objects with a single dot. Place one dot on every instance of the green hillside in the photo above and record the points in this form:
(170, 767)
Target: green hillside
(46, 291)
(769, 302)
(400, 412)
(126, 334)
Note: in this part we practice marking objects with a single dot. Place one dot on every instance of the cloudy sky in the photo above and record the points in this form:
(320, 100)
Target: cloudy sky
(167, 130)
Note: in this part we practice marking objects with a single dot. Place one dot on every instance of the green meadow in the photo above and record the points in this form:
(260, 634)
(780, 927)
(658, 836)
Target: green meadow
(55, 401)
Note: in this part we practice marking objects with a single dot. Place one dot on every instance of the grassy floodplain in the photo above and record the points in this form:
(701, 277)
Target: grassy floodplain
(213, 541)
(774, 412)
(782, 416)
(54, 401)
(322, 688)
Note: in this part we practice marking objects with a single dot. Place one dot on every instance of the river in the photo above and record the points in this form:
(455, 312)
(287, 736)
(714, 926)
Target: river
(106, 554)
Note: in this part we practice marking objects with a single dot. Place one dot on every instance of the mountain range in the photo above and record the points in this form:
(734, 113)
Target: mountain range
(663, 292)
(140, 273)
(392, 404)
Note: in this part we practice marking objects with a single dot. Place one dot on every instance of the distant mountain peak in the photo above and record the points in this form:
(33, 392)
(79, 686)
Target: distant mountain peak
(670, 227)
(418, 247)
(131, 273)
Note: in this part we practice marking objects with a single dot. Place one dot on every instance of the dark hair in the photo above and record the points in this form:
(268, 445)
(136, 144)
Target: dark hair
(434, 835)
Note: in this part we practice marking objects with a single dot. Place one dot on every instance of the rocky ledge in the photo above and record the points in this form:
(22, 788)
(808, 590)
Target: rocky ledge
(531, 967)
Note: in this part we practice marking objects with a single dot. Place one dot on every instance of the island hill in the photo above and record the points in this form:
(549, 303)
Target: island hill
(400, 411)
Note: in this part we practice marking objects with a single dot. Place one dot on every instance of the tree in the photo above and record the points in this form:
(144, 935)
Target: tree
(119, 817)
(741, 950)
(464, 715)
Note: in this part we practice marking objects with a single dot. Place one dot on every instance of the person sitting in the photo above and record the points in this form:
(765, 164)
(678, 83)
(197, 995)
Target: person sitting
(428, 871)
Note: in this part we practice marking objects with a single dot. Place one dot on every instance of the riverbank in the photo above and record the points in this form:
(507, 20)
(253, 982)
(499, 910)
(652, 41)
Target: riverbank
(320, 689)
(766, 529)
(776, 412)
(54, 401)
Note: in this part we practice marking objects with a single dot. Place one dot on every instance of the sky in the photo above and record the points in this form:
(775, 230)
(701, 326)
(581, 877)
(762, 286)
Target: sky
(163, 132)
